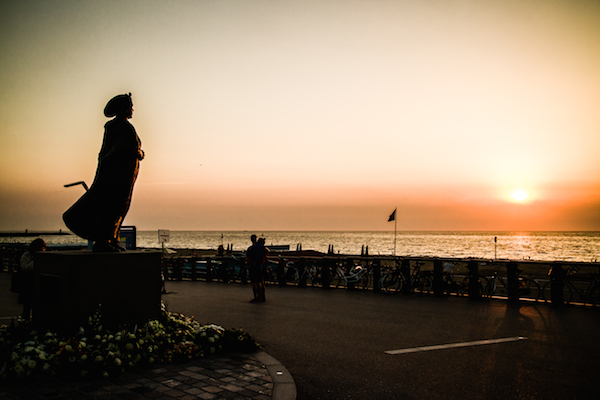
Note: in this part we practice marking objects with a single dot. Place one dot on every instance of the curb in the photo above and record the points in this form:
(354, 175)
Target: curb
(284, 387)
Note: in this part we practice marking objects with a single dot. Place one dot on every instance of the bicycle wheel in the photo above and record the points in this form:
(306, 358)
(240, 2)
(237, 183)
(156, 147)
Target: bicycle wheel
(389, 283)
(365, 282)
(488, 286)
(422, 284)
(482, 286)
(312, 275)
(567, 293)
(296, 278)
(337, 280)
(546, 292)
(530, 289)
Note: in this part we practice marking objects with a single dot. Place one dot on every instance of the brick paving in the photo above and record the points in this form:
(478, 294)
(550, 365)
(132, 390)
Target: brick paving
(232, 377)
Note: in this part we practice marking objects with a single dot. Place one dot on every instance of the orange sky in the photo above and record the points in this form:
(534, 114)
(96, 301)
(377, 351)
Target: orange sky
(314, 115)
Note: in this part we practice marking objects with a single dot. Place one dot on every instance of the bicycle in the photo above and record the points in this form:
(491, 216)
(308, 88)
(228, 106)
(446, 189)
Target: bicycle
(394, 281)
(294, 275)
(450, 284)
(358, 275)
(591, 294)
(527, 287)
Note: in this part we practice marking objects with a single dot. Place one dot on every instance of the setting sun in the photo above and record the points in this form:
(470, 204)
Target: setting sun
(519, 195)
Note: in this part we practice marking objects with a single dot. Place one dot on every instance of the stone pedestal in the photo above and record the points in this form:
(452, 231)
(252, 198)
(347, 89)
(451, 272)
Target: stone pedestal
(70, 286)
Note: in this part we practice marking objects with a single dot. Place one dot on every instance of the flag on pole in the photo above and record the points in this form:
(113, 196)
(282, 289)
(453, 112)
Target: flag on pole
(392, 216)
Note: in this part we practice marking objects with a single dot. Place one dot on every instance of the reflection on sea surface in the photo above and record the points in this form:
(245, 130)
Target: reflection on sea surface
(566, 246)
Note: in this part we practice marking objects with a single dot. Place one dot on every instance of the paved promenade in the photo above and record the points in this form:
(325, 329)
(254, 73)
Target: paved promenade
(256, 376)
(336, 343)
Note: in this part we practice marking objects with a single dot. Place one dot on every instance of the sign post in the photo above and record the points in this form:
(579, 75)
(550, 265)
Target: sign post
(164, 235)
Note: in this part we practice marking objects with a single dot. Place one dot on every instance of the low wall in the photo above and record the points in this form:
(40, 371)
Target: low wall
(70, 286)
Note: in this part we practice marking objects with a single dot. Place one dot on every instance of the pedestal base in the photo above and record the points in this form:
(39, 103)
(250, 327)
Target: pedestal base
(70, 286)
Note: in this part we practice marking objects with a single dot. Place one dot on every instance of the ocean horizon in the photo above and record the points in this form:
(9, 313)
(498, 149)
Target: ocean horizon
(582, 246)
(579, 246)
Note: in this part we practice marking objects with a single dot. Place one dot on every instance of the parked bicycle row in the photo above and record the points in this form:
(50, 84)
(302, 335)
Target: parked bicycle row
(405, 276)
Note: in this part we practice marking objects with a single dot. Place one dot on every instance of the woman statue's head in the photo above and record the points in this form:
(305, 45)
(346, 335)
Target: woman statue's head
(119, 106)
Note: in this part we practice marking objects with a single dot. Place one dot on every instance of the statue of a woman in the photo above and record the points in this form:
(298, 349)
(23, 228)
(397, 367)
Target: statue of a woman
(99, 213)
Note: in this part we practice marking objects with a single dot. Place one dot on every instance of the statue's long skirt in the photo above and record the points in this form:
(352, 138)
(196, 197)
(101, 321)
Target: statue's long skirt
(99, 213)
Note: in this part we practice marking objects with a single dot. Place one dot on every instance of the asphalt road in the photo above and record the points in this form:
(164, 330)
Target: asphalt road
(333, 342)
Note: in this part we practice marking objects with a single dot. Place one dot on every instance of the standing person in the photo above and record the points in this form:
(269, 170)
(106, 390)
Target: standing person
(99, 213)
(26, 263)
(255, 260)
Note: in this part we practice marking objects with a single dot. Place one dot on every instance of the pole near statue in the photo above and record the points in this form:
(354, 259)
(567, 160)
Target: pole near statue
(393, 218)
(495, 247)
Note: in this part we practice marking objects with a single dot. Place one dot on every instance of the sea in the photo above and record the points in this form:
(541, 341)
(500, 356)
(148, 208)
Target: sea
(542, 246)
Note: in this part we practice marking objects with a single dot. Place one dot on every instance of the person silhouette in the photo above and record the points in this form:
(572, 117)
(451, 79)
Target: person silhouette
(26, 265)
(256, 258)
(99, 213)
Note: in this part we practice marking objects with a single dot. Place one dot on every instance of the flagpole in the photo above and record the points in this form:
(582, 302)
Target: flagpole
(395, 230)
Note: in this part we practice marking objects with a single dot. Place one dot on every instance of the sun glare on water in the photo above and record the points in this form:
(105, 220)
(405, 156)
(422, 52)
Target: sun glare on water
(519, 195)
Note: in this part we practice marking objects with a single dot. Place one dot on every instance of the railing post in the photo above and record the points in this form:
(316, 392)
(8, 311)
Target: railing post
(224, 269)
(405, 271)
(557, 285)
(209, 270)
(325, 272)
(376, 275)
(350, 266)
(301, 268)
(438, 278)
(281, 271)
(244, 271)
(474, 284)
(178, 270)
(512, 282)
(193, 273)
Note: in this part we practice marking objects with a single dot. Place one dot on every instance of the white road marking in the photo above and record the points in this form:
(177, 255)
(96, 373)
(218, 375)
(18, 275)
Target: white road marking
(455, 345)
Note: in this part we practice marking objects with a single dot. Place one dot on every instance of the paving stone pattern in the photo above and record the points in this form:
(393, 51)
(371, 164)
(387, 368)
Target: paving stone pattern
(234, 376)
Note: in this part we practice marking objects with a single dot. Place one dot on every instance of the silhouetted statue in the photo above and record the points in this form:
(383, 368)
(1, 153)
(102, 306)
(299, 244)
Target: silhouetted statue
(99, 213)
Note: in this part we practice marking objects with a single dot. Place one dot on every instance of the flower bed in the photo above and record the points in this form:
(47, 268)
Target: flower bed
(98, 352)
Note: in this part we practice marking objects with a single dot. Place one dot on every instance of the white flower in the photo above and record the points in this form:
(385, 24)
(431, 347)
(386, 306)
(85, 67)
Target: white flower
(118, 361)
(31, 364)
